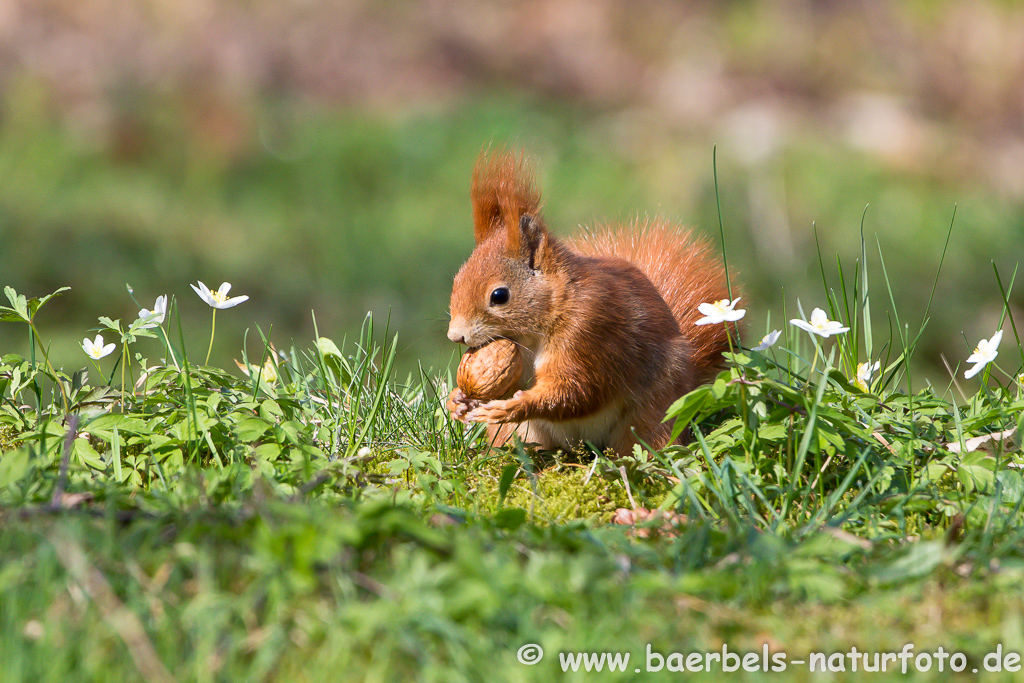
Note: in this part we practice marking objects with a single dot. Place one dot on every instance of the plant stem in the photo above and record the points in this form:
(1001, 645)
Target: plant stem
(96, 365)
(124, 362)
(814, 363)
(49, 366)
(213, 326)
(169, 349)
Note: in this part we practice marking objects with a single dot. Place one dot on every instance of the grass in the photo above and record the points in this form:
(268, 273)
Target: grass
(316, 517)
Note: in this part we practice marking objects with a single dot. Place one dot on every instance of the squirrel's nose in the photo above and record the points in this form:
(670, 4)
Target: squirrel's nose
(457, 333)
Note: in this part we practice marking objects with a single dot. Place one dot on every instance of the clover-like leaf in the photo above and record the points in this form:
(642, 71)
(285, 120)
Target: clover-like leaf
(35, 304)
(23, 309)
(114, 325)
(19, 307)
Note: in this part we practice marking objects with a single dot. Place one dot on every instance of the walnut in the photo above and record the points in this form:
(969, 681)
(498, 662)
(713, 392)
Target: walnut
(490, 371)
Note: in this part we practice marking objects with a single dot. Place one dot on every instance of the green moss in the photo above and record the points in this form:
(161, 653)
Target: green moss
(559, 487)
(568, 491)
(6, 438)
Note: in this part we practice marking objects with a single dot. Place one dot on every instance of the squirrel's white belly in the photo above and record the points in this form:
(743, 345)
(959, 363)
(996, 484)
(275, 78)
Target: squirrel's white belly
(600, 429)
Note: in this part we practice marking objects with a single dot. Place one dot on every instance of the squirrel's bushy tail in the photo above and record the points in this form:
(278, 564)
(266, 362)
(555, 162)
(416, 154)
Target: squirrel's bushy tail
(685, 270)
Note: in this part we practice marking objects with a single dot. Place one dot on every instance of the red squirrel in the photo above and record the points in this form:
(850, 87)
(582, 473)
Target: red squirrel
(605, 321)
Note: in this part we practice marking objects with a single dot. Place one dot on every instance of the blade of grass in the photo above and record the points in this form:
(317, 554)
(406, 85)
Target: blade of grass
(721, 224)
(1004, 292)
(805, 443)
(942, 259)
(322, 366)
(378, 399)
(864, 298)
(191, 413)
(263, 359)
(715, 470)
(115, 450)
(850, 355)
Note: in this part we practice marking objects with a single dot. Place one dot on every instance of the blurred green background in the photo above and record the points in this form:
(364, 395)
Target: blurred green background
(317, 155)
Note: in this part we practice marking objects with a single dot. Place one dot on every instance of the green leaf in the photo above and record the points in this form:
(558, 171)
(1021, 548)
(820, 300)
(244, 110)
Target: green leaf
(115, 447)
(815, 580)
(773, 432)
(212, 403)
(250, 429)
(936, 470)
(289, 431)
(398, 465)
(510, 519)
(35, 304)
(116, 421)
(975, 477)
(739, 358)
(13, 466)
(186, 429)
(720, 388)
(10, 316)
(508, 475)
(833, 547)
(83, 451)
(114, 325)
(918, 561)
(24, 310)
(334, 360)
(1012, 484)
(20, 310)
(328, 347)
(828, 435)
(267, 451)
(885, 478)
(271, 411)
(686, 408)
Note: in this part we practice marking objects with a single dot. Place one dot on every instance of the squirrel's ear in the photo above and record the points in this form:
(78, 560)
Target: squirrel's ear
(530, 239)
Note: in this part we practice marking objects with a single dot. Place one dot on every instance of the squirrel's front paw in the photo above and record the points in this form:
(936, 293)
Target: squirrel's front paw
(459, 405)
(499, 411)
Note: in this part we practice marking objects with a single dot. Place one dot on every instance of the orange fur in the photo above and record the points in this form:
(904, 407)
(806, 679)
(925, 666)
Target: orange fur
(503, 190)
(605, 321)
(683, 268)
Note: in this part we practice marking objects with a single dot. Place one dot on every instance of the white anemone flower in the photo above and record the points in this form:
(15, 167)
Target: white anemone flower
(218, 299)
(864, 372)
(768, 340)
(820, 325)
(720, 312)
(154, 318)
(984, 354)
(95, 348)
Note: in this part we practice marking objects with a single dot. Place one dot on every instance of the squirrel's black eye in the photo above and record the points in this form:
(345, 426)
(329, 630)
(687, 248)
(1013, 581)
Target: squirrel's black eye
(499, 296)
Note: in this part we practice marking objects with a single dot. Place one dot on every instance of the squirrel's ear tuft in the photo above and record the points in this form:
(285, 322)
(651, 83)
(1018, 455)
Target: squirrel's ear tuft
(503, 191)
